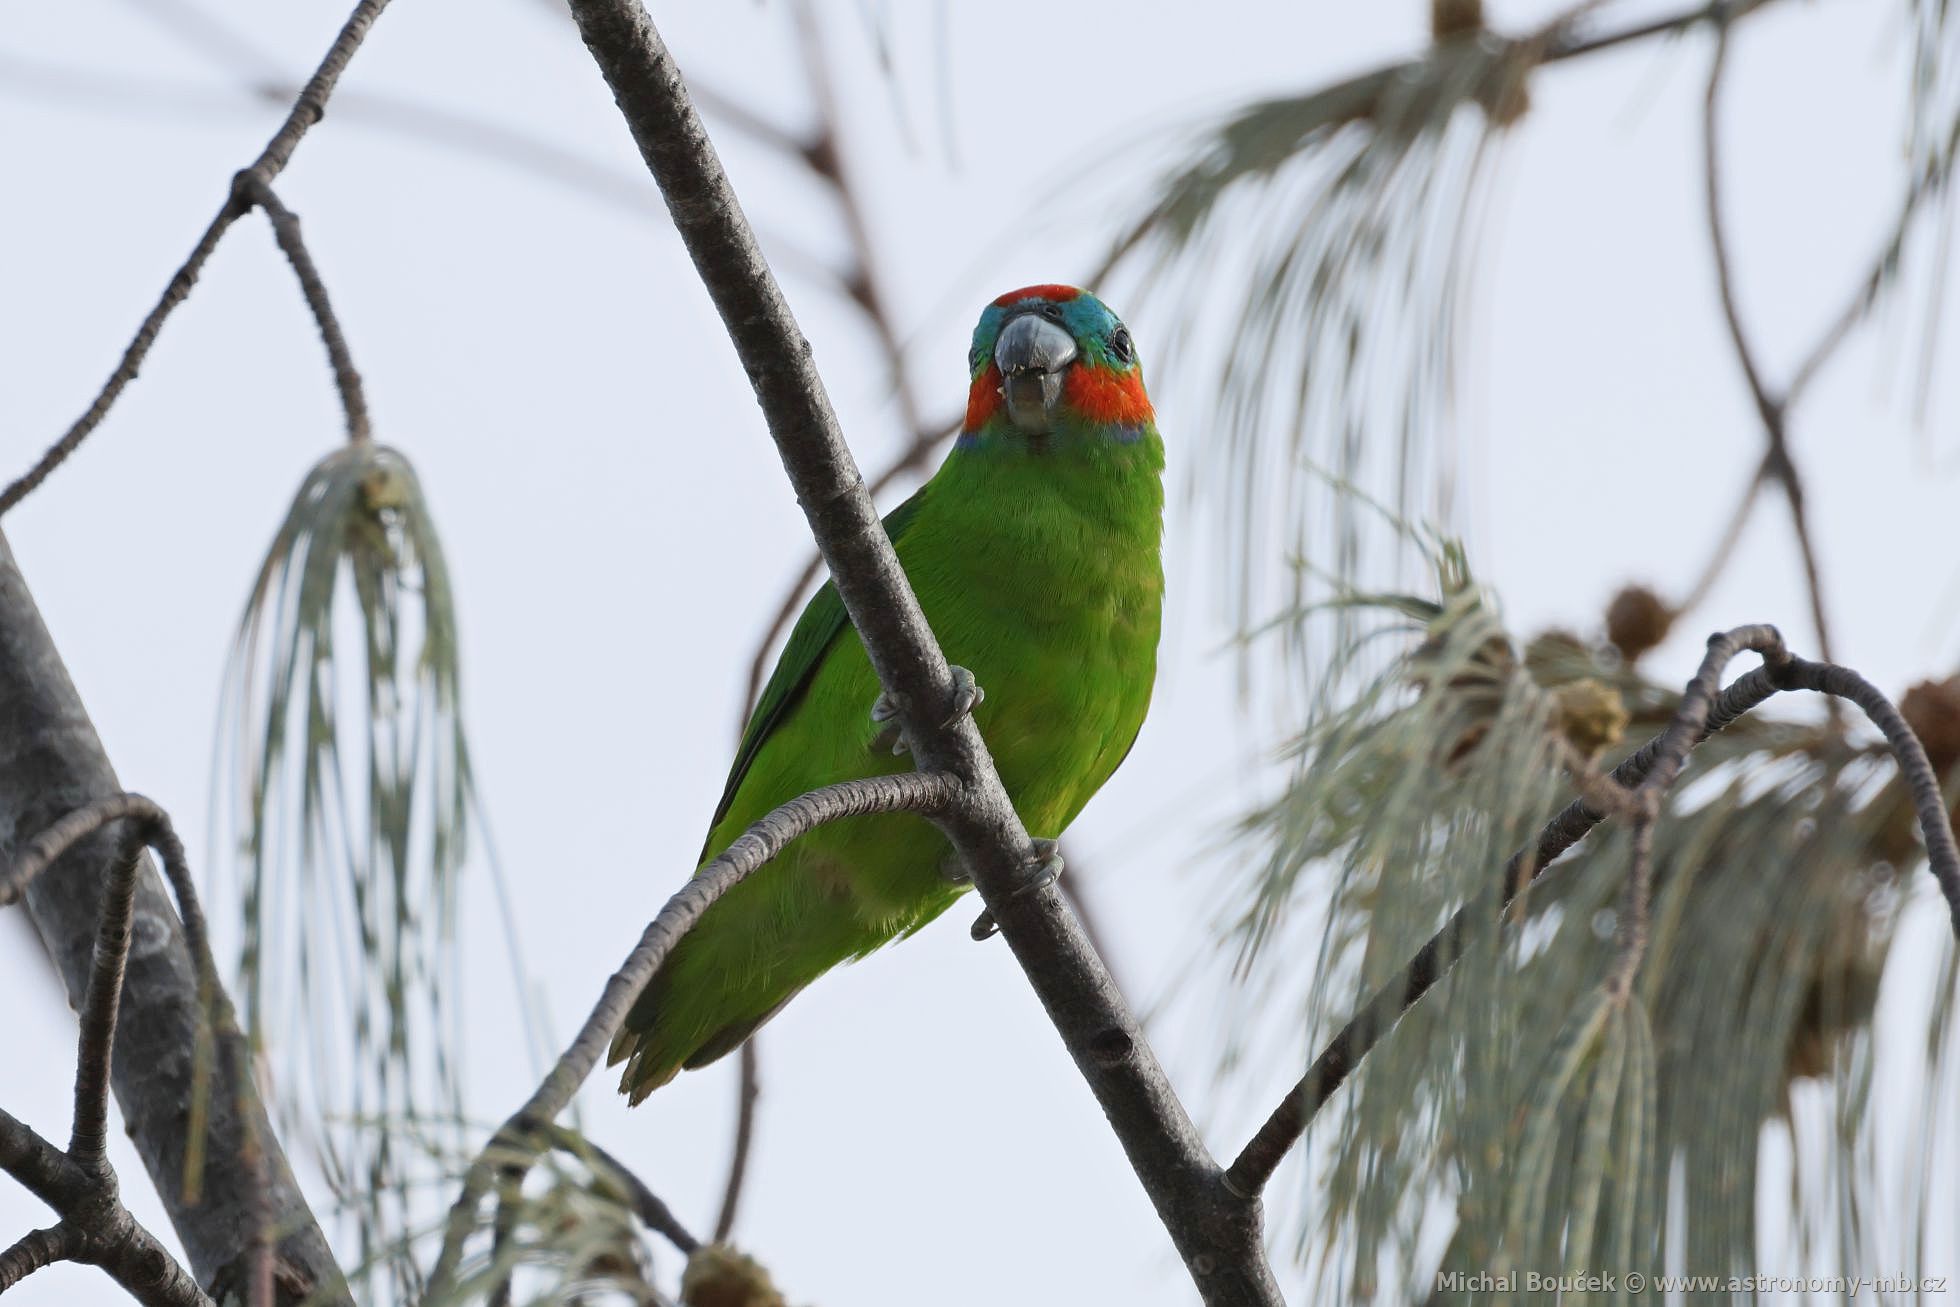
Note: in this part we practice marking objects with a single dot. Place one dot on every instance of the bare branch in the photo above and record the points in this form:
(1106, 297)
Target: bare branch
(653, 1213)
(47, 1172)
(1711, 572)
(307, 110)
(1772, 408)
(285, 229)
(34, 1250)
(88, 1139)
(748, 1090)
(1929, 804)
(518, 1139)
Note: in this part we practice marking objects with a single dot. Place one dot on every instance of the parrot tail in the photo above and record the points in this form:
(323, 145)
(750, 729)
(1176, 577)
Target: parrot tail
(658, 1040)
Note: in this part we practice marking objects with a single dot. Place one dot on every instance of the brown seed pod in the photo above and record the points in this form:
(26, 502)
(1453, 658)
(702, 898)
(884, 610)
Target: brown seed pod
(1932, 709)
(719, 1276)
(1448, 18)
(1637, 620)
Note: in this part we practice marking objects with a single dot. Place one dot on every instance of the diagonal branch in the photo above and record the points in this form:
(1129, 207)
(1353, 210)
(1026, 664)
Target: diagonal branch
(307, 110)
(1704, 710)
(527, 1131)
(1216, 1232)
(33, 1251)
(647, 1205)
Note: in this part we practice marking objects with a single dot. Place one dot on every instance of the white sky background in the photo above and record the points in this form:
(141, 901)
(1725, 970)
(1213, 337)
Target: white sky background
(619, 529)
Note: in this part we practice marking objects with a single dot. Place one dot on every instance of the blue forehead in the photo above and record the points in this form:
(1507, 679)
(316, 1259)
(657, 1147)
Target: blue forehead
(1085, 317)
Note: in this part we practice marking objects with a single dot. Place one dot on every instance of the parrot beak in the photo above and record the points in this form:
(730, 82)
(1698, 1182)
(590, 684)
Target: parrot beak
(1032, 353)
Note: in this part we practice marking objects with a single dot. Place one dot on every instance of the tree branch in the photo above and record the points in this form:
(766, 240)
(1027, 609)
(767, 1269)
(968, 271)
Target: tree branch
(1652, 768)
(647, 1205)
(523, 1136)
(1216, 1232)
(285, 229)
(1772, 408)
(51, 769)
(748, 1090)
(307, 110)
(32, 1251)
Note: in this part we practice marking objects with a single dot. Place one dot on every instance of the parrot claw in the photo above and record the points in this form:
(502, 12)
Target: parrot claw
(1047, 870)
(884, 714)
(967, 695)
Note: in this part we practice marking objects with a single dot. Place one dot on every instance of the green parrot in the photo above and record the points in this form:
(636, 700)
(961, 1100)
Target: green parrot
(1035, 551)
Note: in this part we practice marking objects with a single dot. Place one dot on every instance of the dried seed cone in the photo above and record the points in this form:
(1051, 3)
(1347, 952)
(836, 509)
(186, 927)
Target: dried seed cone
(1448, 18)
(1932, 709)
(1636, 621)
(719, 1276)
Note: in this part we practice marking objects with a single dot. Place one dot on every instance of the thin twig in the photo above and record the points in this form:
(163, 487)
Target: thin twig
(748, 1089)
(517, 1140)
(1572, 46)
(89, 1137)
(308, 109)
(285, 229)
(647, 1205)
(1772, 408)
(1718, 560)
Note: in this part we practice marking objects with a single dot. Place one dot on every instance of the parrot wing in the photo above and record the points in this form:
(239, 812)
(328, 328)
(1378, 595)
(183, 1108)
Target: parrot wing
(823, 620)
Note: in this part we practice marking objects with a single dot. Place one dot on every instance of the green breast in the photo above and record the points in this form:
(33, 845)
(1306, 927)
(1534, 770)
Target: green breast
(1042, 574)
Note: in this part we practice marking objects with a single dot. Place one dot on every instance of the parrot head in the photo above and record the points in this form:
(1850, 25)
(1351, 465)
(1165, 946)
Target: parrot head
(1053, 360)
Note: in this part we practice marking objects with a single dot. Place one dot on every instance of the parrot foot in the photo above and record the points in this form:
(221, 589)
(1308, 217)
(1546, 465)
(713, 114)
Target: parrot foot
(1047, 870)
(967, 695)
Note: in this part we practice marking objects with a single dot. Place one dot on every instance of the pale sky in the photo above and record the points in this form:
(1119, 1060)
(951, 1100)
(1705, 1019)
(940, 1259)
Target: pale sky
(619, 529)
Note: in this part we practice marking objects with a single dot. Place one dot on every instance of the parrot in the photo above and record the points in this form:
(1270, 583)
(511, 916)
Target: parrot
(1035, 551)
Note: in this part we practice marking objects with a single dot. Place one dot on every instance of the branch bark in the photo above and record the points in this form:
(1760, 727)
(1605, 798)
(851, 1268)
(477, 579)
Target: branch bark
(52, 764)
(1216, 1231)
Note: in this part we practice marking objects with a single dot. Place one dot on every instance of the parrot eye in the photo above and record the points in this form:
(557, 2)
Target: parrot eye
(1120, 347)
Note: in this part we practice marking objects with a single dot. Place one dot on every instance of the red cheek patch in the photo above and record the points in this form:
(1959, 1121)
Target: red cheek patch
(1051, 292)
(983, 400)
(1103, 396)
